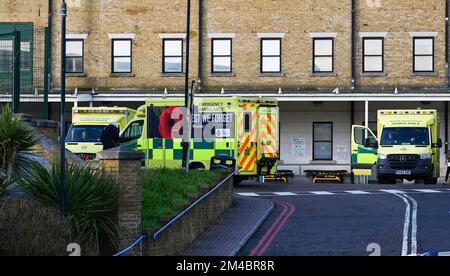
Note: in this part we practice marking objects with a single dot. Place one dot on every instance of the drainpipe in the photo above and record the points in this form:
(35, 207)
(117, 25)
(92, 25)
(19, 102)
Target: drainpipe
(352, 121)
(446, 73)
(200, 45)
(446, 45)
(446, 128)
(48, 60)
(354, 44)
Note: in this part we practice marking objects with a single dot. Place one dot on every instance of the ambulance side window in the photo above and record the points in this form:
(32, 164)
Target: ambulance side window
(248, 122)
(133, 132)
(360, 136)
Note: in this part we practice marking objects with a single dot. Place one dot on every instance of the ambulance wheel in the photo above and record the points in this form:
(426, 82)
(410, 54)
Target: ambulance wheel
(196, 167)
(236, 181)
(430, 180)
(387, 181)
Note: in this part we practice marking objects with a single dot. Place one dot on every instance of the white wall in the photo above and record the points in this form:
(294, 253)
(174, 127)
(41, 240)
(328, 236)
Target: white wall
(297, 122)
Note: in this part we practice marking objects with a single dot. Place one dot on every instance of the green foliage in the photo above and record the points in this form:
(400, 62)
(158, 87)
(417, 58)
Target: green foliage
(5, 186)
(28, 228)
(90, 200)
(17, 138)
(162, 189)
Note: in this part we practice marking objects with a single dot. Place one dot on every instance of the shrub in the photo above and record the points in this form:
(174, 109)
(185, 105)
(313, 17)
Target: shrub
(17, 138)
(5, 184)
(28, 228)
(90, 200)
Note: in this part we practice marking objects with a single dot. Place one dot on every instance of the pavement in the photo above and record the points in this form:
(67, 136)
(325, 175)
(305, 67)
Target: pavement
(234, 229)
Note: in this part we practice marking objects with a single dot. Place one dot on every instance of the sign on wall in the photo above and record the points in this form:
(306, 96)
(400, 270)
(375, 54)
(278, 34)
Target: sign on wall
(374, 3)
(74, 3)
(342, 152)
(298, 149)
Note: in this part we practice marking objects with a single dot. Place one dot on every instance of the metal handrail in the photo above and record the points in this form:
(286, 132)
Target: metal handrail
(142, 238)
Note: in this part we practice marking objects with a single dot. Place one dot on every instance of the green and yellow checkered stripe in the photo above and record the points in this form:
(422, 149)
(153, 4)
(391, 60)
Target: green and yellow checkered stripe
(200, 150)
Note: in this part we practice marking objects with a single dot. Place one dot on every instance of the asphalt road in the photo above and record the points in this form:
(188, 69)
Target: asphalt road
(351, 220)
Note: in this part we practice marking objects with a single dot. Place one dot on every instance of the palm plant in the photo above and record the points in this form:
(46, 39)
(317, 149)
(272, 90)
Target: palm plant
(17, 138)
(5, 185)
(90, 200)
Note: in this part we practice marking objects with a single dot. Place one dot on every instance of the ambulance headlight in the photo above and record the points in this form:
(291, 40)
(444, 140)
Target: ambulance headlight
(382, 156)
(426, 156)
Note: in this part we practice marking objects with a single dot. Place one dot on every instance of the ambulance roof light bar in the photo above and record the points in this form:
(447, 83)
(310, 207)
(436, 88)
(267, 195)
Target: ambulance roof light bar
(101, 111)
(408, 112)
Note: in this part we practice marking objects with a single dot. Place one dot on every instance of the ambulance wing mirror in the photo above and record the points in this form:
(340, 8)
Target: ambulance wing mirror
(371, 143)
(439, 144)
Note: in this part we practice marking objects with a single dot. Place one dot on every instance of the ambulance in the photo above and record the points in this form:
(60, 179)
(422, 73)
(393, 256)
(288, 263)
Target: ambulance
(243, 129)
(407, 146)
(83, 138)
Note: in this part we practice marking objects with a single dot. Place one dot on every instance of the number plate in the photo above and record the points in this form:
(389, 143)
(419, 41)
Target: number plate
(403, 172)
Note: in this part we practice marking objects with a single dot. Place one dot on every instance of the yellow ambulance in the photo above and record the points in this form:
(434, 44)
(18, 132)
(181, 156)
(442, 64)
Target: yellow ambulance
(407, 146)
(244, 129)
(83, 138)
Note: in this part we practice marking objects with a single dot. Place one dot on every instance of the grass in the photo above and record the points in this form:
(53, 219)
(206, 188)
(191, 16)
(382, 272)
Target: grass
(165, 188)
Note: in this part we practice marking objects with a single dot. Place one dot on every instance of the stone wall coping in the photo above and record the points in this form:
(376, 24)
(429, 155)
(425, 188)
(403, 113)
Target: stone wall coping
(25, 117)
(45, 123)
(120, 153)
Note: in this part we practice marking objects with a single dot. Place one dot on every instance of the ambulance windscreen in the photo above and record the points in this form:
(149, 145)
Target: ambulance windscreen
(85, 134)
(405, 136)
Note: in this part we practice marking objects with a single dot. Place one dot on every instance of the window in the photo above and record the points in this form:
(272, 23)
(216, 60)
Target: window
(221, 55)
(323, 49)
(361, 134)
(6, 56)
(122, 56)
(323, 141)
(173, 56)
(248, 122)
(74, 56)
(270, 55)
(25, 56)
(133, 132)
(373, 55)
(423, 55)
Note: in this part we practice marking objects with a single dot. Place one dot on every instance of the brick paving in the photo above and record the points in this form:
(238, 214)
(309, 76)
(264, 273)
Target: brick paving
(234, 229)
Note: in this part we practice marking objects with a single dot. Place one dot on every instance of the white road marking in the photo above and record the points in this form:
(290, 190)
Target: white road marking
(285, 194)
(249, 194)
(393, 191)
(357, 192)
(414, 225)
(349, 192)
(321, 193)
(406, 224)
(427, 191)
